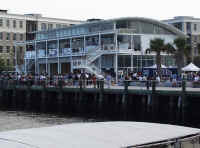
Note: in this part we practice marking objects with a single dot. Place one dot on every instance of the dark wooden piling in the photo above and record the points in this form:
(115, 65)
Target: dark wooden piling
(28, 96)
(43, 102)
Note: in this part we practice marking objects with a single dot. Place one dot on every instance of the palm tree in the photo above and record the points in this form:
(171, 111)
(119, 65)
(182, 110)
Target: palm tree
(182, 53)
(157, 45)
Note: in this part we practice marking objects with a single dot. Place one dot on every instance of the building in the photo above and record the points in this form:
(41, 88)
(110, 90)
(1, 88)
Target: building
(191, 27)
(17, 27)
(98, 46)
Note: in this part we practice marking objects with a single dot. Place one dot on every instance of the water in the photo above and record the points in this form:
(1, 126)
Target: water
(11, 120)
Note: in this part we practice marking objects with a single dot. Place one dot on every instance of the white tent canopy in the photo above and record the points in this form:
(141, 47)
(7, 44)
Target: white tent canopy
(155, 66)
(191, 67)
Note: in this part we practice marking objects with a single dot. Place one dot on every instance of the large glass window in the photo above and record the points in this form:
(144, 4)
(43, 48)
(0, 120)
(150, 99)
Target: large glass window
(77, 44)
(178, 25)
(41, 49)
(124, 61)
(64, 47)
(52, 48)
(107, 42)
(124, 42)
(137, 42)
(50, 26)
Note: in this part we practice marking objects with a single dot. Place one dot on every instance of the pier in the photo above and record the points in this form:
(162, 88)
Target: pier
(179, 105)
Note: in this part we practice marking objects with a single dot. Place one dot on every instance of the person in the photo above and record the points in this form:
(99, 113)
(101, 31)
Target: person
(108, 79)
(158, 78)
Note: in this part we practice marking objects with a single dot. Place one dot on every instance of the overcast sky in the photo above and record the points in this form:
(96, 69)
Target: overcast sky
(104, 9)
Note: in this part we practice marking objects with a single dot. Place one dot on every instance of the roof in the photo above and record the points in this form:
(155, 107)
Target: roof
(191, 67)
(152, 21)
(90, 135)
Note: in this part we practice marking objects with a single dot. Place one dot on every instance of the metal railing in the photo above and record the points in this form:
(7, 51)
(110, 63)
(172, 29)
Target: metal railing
(92, 83)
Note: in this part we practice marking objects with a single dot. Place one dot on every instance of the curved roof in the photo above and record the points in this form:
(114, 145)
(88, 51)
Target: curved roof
(152, 21)
(98, 135)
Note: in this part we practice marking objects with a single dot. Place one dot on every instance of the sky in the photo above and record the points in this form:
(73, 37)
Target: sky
(104, 9)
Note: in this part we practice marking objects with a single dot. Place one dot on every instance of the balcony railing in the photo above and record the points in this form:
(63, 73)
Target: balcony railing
(52, 52)
(41, 53)
(30, 55)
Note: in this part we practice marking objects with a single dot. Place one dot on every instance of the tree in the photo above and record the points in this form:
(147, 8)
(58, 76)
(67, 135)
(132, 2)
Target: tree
(182, 53)
(157, 45)
(2, 64)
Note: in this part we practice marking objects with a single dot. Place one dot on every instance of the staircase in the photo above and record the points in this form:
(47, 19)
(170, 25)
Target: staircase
(87, 63)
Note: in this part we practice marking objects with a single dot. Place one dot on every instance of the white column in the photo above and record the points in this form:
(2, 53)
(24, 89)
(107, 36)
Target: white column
(116, 58)
(35, 57)
(131, 42)
(84, 43)
(71, 63)
(100, 40)
(25, 66)
(49, 69)
(46, 56)
(131, 61)
(58, 64)
(116, 67)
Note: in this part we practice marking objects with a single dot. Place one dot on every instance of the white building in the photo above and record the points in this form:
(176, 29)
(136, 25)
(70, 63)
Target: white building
(100, 45)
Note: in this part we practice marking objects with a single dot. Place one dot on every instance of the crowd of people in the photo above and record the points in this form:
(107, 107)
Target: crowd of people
(87, 79)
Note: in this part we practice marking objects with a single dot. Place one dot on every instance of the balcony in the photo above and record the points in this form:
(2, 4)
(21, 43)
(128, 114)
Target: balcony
(52, 52)
(30, 55)
(41, 53)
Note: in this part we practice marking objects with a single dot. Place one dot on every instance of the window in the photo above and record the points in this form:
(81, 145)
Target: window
(195, 27)
(58, 25)
(14, 36)
(8, 49)
(50, 26)
(44, 26)
(1, 49)
(8, 36)
(1, 35)
(21, 24)
(21, 37)
(1, 22)
(8, 23)
(14, 23)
